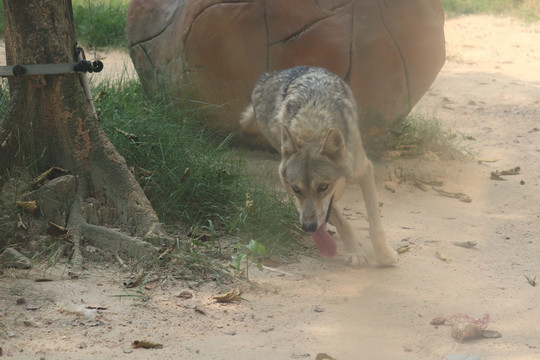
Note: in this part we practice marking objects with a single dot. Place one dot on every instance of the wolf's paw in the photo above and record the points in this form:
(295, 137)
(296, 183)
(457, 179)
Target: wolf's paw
(357, 260)
(387, 257)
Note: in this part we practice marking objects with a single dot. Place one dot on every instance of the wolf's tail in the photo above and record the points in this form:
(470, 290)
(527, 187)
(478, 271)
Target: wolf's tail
(248, 123)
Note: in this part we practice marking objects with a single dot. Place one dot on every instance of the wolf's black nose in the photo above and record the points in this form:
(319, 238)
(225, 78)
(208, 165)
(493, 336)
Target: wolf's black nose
(309, 226)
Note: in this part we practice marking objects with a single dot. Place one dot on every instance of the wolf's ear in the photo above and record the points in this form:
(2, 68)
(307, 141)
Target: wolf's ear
(288, 147)
(334, 145)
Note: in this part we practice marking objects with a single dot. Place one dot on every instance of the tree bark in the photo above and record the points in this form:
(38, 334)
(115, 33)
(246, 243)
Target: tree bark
(50, 123)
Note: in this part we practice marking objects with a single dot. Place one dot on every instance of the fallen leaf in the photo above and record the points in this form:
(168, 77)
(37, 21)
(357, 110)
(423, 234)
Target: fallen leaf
(514, 171)
(28, 206)
(465, 327)
(465, 244)
(166, 252)
(390, 187)
(480, 161)
(199, 310)
(50, 174)
(420, 185)
(495, 176)
(271, 262)
(135, 281)
(73, 275)
(4, 146)
(324, 356)
(531, 281)
(460, 196)
(250, 204)
(185, 295)
(233, 295)
(442, 257)
(439, 320)
(20, 223)
(268, 329)
(146, 345)
(465, 331)
(59, 231)
(491, 334)
(434, 182)
(132, 137)
(403, 249)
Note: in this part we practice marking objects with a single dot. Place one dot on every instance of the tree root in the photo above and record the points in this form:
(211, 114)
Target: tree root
(117, 242)
(104, 238)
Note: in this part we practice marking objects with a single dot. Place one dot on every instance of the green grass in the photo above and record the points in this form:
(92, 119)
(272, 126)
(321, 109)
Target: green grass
(528, 10)
(418, 134)
(186, 170)
(99, 23)
(206, 207)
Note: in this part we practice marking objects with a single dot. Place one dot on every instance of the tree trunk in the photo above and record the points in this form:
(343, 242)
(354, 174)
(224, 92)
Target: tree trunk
(50, 123)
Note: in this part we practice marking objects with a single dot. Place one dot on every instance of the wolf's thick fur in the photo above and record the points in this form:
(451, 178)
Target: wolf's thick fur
(310, 116)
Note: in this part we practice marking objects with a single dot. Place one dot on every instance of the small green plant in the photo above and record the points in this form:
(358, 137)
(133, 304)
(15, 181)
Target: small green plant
(254, 252)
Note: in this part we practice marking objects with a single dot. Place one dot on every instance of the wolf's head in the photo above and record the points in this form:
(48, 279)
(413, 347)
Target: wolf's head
(314, 172)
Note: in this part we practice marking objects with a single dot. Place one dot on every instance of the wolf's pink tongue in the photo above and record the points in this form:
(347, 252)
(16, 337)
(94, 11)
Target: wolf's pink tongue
(326, 244)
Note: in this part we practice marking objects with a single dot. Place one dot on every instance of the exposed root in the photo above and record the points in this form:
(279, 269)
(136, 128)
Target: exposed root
(117, 242)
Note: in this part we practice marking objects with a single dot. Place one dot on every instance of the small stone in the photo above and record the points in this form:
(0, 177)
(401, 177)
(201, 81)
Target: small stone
(300, 356)
(21, 301)
(268, 329)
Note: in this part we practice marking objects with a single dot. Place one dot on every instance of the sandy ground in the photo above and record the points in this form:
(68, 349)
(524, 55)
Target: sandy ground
(489, 91)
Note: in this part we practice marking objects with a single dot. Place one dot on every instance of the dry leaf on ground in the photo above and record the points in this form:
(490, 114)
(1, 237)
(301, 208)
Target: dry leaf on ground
(465, 327)
(146, 345)
(233, 295)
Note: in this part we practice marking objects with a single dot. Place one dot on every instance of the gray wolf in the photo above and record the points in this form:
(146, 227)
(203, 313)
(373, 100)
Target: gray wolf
(309, 115)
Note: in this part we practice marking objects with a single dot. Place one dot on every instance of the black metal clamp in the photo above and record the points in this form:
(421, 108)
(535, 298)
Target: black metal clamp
(83, 66)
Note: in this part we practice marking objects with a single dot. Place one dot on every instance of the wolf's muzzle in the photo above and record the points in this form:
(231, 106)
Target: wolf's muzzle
(313, 226)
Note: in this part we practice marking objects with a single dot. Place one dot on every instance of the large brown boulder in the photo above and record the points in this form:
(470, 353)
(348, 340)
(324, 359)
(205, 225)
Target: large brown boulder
(213, 50)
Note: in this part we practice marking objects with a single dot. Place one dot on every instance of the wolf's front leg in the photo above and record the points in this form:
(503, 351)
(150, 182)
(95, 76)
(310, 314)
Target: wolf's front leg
(384, 254)
(355, 255)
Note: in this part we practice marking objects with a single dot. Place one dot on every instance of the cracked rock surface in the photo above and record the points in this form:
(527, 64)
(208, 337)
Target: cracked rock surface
(388, 51)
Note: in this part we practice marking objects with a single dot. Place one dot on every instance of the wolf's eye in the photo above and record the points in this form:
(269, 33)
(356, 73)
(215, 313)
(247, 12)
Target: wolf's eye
(322, 187)
(296, 189)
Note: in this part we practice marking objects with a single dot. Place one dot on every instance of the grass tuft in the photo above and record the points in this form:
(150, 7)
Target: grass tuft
(418, 134)
(100, 23)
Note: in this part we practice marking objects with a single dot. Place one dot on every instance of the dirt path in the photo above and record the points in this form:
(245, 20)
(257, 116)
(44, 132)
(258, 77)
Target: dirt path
(489, 90)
